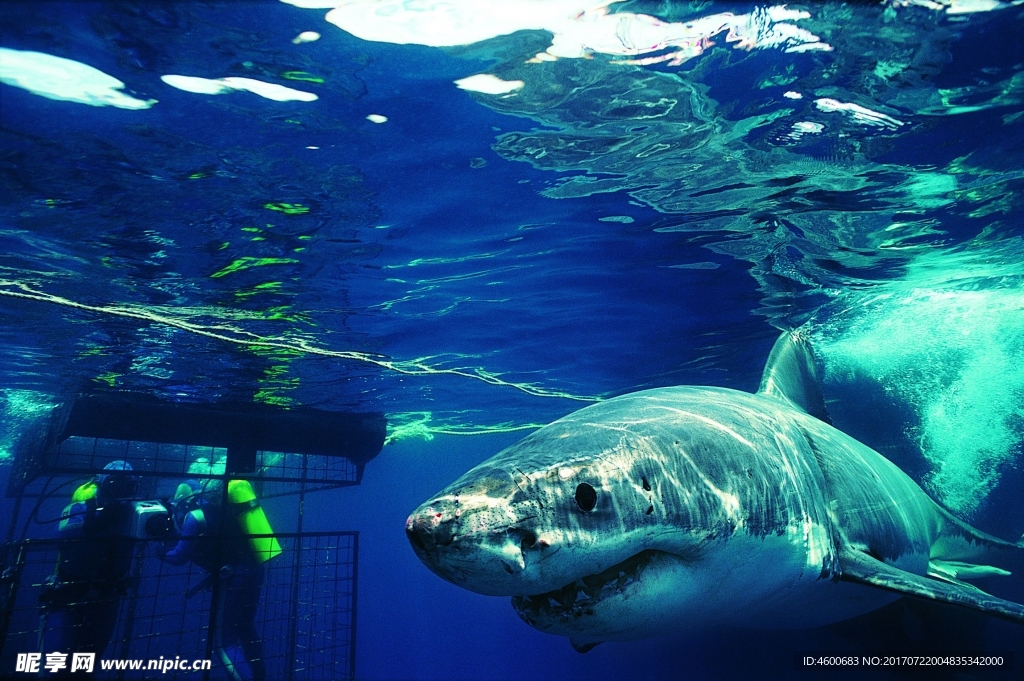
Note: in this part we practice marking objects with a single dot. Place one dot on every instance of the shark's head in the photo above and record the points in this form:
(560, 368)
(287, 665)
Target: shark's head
(570, 522)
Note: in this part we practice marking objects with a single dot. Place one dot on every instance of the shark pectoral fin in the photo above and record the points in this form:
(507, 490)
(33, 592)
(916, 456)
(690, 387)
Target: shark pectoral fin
(955, 570)
(584, 647)
(949, 578)
(863, 569)
(791, 374)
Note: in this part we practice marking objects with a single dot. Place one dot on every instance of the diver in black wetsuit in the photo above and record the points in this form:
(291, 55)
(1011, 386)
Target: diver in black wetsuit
(211, 536)
(81, 599)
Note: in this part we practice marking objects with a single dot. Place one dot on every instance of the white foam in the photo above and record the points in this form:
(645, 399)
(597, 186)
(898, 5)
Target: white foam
(200, 86)
(859, 113)
(579, 28)
(207, 86)
(312, 4)
(972, 6)
(64, 80)
(488, 84)
(306, 37)
(802, 128)
(957, 6)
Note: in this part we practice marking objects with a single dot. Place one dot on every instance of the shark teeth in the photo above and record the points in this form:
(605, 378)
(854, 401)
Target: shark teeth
(578, 598)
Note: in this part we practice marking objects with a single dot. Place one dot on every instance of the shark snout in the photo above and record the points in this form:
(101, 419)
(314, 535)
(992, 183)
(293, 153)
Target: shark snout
(431, 527)
(480, 541)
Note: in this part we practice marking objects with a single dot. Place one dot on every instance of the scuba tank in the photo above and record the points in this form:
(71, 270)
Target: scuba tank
(85, 492)
(252, 520)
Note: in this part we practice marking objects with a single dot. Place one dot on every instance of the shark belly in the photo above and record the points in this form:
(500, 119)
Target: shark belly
(745, 581)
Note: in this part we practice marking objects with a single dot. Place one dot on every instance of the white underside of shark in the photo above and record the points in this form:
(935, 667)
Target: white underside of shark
(689, 507)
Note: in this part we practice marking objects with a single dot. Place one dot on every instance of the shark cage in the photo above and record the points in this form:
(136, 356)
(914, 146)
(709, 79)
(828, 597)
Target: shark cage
(153, 539)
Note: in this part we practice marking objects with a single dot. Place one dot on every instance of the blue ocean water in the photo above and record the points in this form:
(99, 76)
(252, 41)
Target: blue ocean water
(476, 263)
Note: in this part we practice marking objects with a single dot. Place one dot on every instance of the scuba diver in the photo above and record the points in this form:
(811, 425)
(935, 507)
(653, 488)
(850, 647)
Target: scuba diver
(80, 601)
(216, 536)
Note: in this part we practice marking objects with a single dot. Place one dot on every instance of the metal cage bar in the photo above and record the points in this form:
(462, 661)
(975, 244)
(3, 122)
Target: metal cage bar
(306, 614)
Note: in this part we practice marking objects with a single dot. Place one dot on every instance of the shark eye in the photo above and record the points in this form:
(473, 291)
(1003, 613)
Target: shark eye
(586, 497)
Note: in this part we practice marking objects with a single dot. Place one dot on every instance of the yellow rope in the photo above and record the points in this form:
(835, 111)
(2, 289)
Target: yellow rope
(230, 334)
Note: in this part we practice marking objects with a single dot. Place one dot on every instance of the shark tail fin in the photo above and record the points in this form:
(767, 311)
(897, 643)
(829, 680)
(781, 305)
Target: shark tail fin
(791, 374)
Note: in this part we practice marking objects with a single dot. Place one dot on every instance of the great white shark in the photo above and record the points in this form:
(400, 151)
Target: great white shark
(690, 507)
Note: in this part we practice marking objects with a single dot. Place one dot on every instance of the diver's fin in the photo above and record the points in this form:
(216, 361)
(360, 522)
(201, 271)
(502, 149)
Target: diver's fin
(584, 647)
(863, 569)
(791, 374)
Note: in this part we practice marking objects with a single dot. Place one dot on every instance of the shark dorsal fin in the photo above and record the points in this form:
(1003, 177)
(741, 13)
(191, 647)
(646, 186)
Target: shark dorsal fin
(791, 374)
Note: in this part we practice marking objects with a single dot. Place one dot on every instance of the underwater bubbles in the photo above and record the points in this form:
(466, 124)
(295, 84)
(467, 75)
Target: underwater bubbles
(21, 414)
(951, 352)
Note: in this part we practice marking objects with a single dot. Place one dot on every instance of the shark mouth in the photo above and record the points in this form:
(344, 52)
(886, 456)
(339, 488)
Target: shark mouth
(578, 598)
